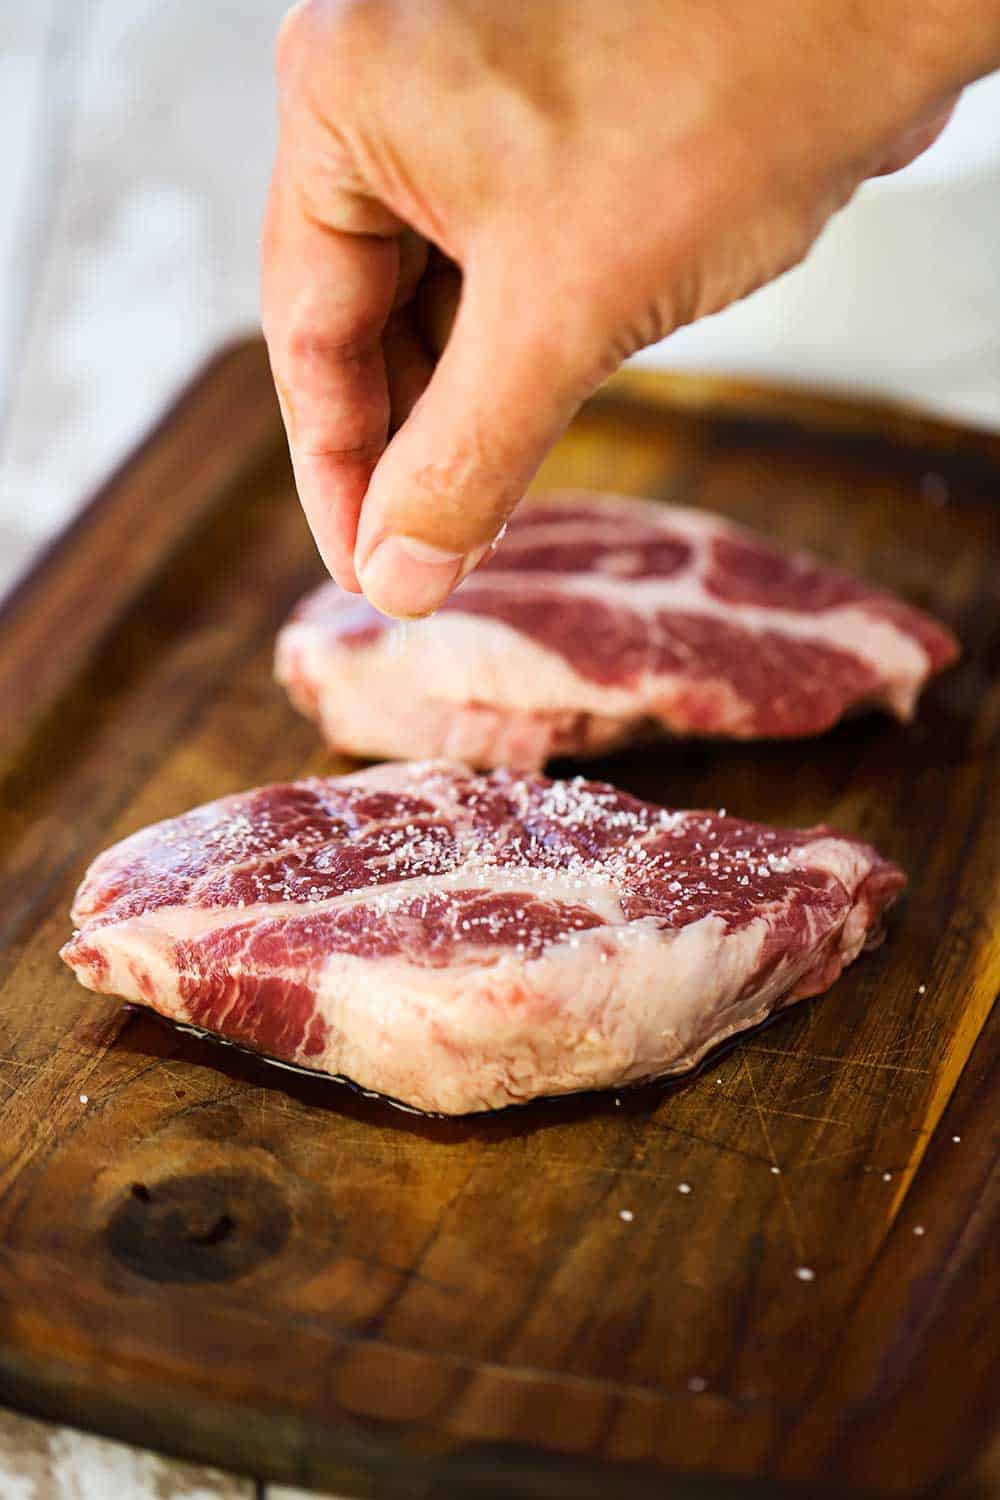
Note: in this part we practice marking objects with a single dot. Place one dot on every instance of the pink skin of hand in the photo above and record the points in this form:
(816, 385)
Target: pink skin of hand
(478, 211)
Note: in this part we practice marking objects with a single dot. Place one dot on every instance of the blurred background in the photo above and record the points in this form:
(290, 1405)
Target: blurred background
(137, 140)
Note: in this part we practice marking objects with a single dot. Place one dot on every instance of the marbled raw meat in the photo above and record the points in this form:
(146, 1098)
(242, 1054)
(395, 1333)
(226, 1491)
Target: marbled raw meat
(462, 942)
(600, 620)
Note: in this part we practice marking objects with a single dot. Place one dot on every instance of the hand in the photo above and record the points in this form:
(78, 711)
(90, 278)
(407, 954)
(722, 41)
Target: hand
(480, 209)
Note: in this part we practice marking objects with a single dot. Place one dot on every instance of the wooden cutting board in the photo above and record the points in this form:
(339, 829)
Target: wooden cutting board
(203, 1253)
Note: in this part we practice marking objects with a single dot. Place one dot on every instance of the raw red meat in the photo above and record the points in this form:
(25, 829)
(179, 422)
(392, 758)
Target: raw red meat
(462, 942)
(603, 620)
(600, 620)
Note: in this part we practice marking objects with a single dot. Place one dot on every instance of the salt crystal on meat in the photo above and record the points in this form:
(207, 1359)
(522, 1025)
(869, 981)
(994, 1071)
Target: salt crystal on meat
(524, 938)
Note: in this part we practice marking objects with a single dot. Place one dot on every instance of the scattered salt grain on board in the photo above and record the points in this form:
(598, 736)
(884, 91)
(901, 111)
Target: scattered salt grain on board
(697, 1383)
(956, 1137)
(776, 1171)
(918, 1229)
(805, 1273)
(921, 989)
(84, 1098)
(886, 1176)
(683, 1187)
(627, 1215)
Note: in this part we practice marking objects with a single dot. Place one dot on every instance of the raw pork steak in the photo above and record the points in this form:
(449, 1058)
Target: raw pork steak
(599, 620)
(462, 942)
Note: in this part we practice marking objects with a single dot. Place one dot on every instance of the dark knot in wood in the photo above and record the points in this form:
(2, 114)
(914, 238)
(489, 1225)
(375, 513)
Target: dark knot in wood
(211, 1226)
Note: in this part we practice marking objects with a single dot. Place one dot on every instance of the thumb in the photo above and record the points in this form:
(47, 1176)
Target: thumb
(510, 378)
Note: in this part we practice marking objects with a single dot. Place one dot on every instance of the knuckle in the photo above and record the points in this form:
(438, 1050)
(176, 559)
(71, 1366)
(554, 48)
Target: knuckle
(294, 41)
(343, 34)
(307, 352)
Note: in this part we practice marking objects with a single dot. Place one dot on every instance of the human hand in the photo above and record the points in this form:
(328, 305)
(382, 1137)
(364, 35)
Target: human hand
(479, 210)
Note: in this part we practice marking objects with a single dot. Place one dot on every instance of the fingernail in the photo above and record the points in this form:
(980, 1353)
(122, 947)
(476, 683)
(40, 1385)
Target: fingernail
(408, 578)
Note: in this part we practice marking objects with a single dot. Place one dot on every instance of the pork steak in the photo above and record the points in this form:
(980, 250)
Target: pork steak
(599, 620)
(462, 942)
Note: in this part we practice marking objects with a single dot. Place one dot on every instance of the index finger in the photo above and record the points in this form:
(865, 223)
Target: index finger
(326, 296)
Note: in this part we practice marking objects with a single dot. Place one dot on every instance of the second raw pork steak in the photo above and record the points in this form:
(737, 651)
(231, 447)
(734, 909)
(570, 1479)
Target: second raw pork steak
(600, 620)
(463, 942)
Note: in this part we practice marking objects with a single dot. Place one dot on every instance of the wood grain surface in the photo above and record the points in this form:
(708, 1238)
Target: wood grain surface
(271, 1273)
